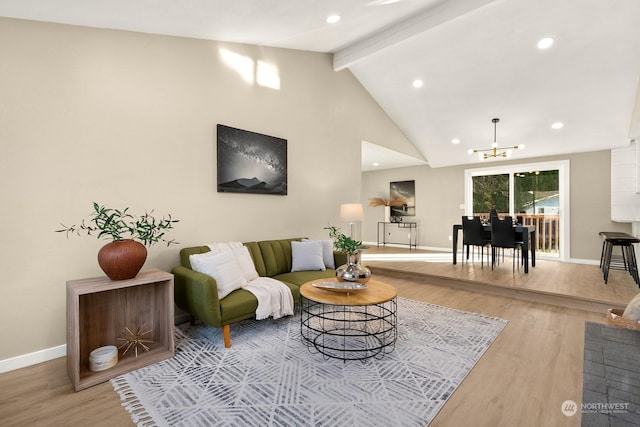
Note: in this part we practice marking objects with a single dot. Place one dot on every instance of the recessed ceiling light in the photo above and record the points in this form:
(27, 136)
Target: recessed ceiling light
(376, 164)
(545, 43)
(455, 141)
(418, 83)
(557, 125)
(333, 19)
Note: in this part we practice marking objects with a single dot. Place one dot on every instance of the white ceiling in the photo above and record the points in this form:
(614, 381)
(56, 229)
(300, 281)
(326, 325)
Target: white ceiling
(477, 58)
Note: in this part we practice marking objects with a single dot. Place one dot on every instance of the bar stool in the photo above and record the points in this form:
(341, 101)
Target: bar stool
(625, 261)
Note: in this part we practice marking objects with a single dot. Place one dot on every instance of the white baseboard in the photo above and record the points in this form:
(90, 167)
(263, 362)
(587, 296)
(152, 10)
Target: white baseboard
(406, 246)
(584, 261)
(47, 354)
(437, 249)
(34, 358)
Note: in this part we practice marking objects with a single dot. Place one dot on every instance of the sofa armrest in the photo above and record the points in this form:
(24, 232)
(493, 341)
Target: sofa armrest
(197, 294)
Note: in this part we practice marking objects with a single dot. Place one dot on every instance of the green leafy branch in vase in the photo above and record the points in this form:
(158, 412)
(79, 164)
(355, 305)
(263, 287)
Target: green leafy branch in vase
(343, 243)
(119, 224)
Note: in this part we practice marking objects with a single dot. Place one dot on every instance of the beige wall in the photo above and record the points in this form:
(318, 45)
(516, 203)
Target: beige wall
(440, 191)
(129, 119)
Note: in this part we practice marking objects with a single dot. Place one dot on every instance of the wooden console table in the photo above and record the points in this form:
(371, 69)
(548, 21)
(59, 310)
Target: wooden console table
(98, 310)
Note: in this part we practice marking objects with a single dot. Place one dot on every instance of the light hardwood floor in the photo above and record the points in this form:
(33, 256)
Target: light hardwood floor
(569, 285)
(522, 380)
(532, 367)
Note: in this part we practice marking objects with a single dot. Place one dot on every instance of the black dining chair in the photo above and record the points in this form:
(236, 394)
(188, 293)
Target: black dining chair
(503, 236)
(474, 235)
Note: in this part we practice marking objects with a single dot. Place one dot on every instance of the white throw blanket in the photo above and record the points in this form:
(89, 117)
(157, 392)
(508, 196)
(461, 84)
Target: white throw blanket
(274, 297)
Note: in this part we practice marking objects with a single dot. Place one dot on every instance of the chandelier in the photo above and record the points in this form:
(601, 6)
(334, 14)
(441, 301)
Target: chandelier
(494, 151)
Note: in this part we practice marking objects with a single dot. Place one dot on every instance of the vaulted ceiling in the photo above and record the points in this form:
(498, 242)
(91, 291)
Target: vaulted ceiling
(476, 59)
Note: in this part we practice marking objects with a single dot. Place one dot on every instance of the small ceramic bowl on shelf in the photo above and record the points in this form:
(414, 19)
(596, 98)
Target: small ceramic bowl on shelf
(103, 358)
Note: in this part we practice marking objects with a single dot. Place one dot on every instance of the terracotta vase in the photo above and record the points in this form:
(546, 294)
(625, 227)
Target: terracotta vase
(122, 259)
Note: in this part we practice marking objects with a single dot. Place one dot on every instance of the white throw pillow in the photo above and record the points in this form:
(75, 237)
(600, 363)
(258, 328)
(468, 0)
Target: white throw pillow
(633, 309)
(306, 256)
(246, 263)
(327, 252)
(223, 267)
(218, 247)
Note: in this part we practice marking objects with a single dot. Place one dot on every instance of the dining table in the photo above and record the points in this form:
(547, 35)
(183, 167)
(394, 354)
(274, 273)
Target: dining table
(528, 238)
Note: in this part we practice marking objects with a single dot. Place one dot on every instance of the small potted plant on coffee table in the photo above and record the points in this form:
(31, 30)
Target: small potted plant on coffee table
(353, 270)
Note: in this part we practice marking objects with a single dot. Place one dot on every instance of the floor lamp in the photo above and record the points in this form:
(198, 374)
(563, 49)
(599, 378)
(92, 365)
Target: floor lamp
(351, 212)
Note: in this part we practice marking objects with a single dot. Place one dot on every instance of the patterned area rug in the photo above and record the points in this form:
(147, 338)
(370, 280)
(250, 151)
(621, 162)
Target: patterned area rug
(270, 378)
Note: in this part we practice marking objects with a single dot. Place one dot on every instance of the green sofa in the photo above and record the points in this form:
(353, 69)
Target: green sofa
(197, 293)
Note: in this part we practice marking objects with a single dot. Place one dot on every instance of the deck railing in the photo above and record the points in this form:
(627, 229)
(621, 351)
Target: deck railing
(547, 230)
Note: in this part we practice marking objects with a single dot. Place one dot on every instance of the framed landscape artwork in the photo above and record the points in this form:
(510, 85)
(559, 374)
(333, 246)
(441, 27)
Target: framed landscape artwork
(250, 162)
(406, 190)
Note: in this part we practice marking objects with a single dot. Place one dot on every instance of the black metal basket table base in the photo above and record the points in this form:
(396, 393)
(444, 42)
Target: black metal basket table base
(348, 324)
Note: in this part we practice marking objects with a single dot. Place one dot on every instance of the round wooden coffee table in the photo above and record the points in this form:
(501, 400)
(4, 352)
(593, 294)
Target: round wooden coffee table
(349, 324)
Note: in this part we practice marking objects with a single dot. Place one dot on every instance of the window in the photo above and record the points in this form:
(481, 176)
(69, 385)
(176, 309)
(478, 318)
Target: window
(490, 192)
(537, 194)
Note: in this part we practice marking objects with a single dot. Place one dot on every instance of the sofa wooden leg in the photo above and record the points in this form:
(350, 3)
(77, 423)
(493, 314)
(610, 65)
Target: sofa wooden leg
(192, 319)
(226, 334)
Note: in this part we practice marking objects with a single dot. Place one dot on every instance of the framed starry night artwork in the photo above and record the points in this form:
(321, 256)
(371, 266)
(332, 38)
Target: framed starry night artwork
(250, 162)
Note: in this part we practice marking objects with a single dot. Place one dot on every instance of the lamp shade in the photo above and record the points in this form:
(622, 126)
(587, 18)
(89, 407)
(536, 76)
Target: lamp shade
(351, 212)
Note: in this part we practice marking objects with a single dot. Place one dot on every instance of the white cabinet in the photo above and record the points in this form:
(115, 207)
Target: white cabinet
(625, 186)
